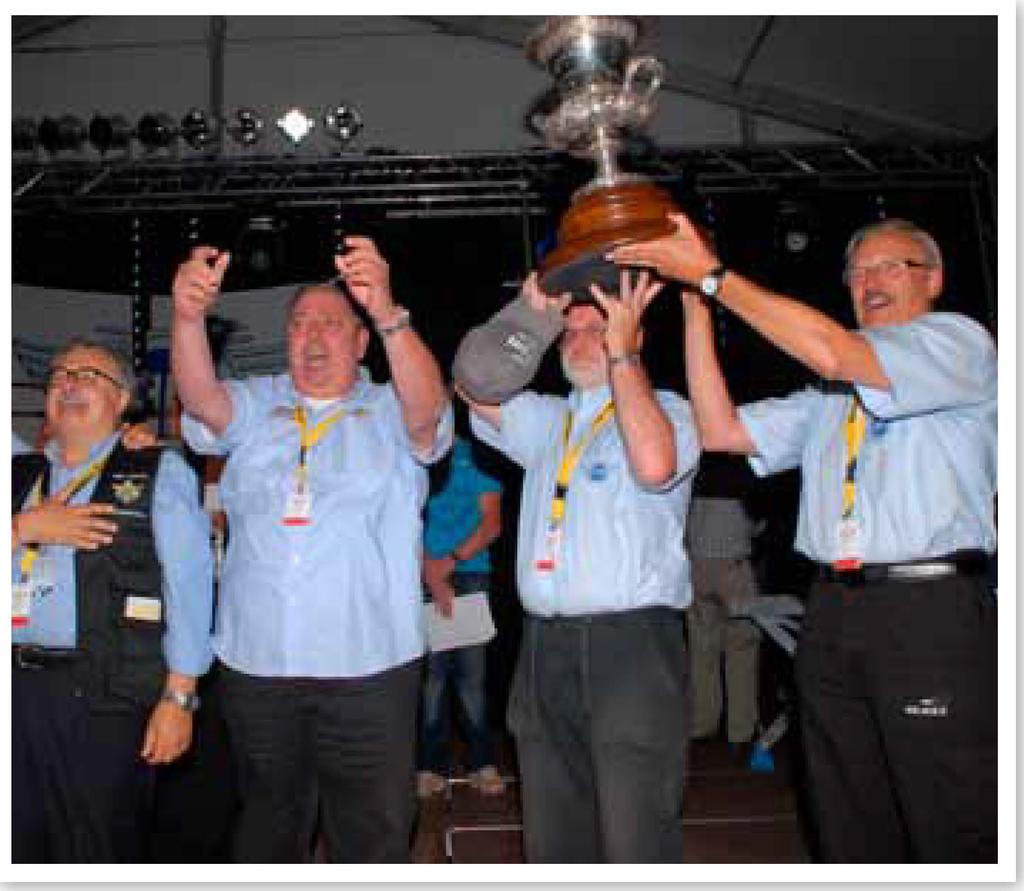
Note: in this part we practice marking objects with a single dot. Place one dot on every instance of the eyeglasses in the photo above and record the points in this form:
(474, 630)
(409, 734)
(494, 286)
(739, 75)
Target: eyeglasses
(302, 323)
(85, 373)
(887, 270)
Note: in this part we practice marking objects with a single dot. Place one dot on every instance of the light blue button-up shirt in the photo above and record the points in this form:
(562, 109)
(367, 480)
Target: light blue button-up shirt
(622, 544)
(340, 597)
(926, 471)
(181, 531)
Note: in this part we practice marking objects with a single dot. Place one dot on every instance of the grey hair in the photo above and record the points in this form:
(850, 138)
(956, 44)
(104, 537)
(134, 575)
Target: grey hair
(928, 244)
(124, 369)
(336, 285)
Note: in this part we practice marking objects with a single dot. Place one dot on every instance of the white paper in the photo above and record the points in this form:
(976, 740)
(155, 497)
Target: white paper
(470, 623)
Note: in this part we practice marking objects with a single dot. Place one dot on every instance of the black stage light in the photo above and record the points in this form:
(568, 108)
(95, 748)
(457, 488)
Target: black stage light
(24, 136)
(156, 131)
(109, 132)
(342, 123)
(246, 127)
(196, 129)
(66, 133)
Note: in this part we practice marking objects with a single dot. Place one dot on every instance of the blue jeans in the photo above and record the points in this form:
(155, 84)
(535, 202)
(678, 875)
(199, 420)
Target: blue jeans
(465, 670)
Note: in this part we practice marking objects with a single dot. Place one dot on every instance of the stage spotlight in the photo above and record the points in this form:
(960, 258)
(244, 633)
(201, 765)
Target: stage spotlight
(796, 226)
(63, 134)
(246, 127)
(259, 246)
(342, 123)
(109, 132)
(196, 129)
(24, 137)
(156, 131)
(295, 124)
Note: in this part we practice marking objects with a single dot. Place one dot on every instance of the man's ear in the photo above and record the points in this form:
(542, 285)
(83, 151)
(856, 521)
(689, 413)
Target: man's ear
(640, 337)
(362, 342)
(123, 401)
(936, 279)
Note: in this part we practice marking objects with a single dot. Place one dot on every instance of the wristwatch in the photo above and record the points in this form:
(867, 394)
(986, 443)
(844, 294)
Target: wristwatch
(711, 283)
(187, 701)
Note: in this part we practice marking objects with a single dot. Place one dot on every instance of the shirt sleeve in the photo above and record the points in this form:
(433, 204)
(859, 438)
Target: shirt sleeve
(244, 396)
(182, 533)
(444, 435)
(526, 422)
(779, 429)
(938, 361)
(680, 415)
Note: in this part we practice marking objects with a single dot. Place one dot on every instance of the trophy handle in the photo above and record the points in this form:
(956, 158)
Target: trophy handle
(644, 75)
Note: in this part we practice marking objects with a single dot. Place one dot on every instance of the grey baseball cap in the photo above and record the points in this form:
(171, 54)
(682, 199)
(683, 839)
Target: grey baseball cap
(496, 360)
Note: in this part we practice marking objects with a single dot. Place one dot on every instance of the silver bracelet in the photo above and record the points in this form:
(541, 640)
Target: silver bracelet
(632, 358)
(402, 320)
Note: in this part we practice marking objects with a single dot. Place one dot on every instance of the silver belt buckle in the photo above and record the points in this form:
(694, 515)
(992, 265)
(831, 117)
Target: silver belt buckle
(936, 569)
(22, 662)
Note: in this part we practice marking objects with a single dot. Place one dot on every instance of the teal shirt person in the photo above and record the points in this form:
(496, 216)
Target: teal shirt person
(453, 513)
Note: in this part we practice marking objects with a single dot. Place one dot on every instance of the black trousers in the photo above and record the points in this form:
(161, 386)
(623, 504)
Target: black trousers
(80, 793)
(600, 712)
(342, 749)
(897, 686)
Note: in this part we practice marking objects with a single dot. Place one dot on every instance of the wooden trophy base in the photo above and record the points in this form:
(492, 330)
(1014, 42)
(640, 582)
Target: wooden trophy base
(595, 223)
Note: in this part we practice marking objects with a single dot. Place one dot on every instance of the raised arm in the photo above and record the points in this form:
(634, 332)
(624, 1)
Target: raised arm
(807, 335)
(645, 428)
(196, 285)
(718, 424)
(415, 374)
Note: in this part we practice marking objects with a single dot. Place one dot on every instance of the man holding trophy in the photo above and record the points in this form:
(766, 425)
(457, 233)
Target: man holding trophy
(599, 704)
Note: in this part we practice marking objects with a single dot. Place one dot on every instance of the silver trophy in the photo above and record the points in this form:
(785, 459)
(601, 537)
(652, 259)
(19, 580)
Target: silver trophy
(602, 95)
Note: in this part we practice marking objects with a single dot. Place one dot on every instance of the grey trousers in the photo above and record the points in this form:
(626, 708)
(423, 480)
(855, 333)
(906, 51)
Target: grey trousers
(719, 588)
(599, 712)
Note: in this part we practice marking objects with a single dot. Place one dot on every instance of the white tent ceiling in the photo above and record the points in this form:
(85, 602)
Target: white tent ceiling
(462, 83)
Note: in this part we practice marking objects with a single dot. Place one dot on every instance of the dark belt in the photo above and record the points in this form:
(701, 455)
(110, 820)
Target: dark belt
(28, 656)
(958, 563)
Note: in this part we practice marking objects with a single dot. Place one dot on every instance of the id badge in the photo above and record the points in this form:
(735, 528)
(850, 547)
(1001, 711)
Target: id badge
(299, 505)
(552, 545)
(851, 545)
(21, 604)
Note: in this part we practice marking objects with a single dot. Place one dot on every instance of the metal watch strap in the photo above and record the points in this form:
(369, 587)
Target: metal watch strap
(632, 358)
(189, 702)
(402, 320)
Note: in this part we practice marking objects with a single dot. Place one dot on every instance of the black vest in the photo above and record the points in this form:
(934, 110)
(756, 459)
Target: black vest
(124, 663)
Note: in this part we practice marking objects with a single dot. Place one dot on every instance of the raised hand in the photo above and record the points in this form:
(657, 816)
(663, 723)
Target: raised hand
(623, 331)
(368, 277)
(541, 301)
(197, 282)
(685, 255)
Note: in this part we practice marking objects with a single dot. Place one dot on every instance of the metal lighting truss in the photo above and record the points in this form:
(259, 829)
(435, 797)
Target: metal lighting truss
(510, 183)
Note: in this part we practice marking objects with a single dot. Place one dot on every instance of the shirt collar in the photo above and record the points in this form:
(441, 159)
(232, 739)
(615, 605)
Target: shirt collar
(356, 395)
(585, 403)
(105, 445)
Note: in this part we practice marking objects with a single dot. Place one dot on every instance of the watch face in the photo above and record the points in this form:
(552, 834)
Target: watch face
(709, 285)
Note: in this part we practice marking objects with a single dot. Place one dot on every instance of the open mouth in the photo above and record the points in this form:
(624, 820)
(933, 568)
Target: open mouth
(875, 301)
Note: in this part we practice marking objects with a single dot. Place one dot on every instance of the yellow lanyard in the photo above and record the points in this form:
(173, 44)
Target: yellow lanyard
(31, 552)
(856, 424)
(310, 437)
(571, 457)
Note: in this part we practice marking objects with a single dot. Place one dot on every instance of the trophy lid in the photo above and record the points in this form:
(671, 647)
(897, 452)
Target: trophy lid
(584, 46)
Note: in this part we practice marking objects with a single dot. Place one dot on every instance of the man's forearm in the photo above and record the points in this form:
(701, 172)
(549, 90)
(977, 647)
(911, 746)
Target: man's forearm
(809, 336)
(646, 430)
(202, 395)
(418, 385)
(718, 423)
